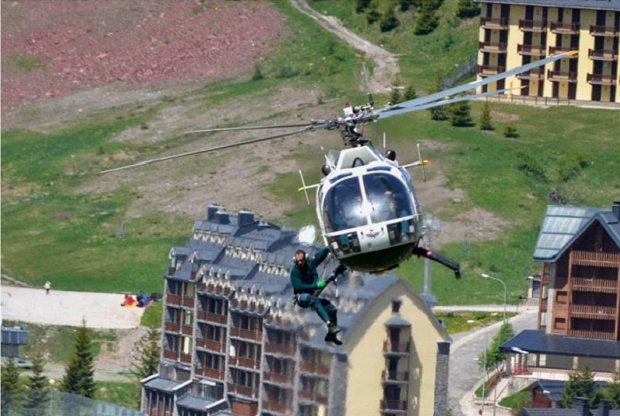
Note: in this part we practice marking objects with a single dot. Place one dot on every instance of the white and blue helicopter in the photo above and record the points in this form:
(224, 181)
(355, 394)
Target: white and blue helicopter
(366, 205)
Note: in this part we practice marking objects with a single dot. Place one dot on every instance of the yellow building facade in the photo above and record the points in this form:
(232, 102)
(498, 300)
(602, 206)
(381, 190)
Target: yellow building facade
(514, 33)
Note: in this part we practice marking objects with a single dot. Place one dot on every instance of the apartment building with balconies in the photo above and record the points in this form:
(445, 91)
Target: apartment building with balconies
(233, 344)
(517, 32)
(579, 306)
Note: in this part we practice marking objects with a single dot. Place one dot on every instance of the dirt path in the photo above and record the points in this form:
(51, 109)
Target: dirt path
(386, 62)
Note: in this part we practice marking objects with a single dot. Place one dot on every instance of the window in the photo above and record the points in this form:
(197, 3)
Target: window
(212, 361)
(187, 317)
(560, 323)
(186, 343)
(215, 306)
(213, 333)
(396, 306)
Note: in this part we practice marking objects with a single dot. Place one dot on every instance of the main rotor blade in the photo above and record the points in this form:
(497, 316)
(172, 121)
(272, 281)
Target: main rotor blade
(416, 102)
(211, 149)
(278, 126)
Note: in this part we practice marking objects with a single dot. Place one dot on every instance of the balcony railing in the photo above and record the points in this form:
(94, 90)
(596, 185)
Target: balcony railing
(172, 327)
(593, 312)
(564, 27)
(247, 363)
(559, 76)
(493, 46)
(242, 390)
(274, 406)
(253, 335)
(187, 329)
(395, 376)
(590, 334)
(587, 258)
(283, 349)
(310, 367)
(394, 406)
(211, 373)
(212, 317)
(176, 300)
(188, 302)
(489, 70)
(603, 30)
(594, 285)
(535, 74)
(185, 358)
(554, 50)
(603, 54)
(314, 396)
(532, 25)
(170, 355)
(396, 347)
(277, 378)
(531, 50)
(494, 23)
(600, 79)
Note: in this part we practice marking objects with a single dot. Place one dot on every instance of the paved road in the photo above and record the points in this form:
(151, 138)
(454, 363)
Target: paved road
(464, 373)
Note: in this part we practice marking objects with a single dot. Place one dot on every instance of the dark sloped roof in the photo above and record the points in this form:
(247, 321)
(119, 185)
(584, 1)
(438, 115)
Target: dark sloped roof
(574, 4)
(535, 341)
(193, 402)
(554, 388)
(563, 224)
(163, 384)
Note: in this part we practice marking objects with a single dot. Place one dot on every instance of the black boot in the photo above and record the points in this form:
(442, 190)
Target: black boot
(331, 337)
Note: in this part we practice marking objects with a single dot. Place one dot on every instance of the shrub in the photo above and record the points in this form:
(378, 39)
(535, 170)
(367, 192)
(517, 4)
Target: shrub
(510, 131)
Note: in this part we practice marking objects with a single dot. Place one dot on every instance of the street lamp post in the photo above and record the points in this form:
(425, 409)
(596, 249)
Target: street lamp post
(486, 276)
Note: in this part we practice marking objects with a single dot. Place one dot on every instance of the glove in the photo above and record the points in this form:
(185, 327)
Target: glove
(321, 284)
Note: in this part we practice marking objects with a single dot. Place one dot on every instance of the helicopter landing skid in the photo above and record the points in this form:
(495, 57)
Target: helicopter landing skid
(450, 264)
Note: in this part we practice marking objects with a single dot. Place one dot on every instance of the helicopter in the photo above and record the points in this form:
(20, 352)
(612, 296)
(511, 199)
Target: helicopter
(366, 206)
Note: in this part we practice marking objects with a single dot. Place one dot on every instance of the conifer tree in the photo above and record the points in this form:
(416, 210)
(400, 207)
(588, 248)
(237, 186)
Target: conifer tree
(460, 114)
(438, 113)
(11, 387)
(579, 384)
(467, 9)
(80, 374)
(38, 393)
(426, 19)
(361, 6)
(410, 93)
(613, 394)
(388, 20)
(372, 13)
(146, 354)
(510, 131)
(485, 117)
(395, 95)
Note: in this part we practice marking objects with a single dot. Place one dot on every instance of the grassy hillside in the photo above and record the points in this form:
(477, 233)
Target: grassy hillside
(51, 230)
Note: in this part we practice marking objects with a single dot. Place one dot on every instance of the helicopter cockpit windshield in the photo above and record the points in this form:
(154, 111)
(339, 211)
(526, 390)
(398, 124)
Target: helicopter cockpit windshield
(369, 199)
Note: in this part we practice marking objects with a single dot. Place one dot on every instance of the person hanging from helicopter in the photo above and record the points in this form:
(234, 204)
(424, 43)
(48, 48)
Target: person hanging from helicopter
(307, 288)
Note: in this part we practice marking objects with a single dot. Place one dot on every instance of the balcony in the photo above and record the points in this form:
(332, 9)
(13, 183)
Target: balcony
(280, 349)
(210, 345)
(536, 74)
(277, 378)
(554, 50)
(176, 300)
(243, 362)
(486, 70)
(396, 348)
(531, 50)
(212, 317)
(493, 23)
(187, 330)
(600, 79)
(170, 355)
(495, 47)
(591, 334)
(172, 327)
(393, 406)
(565, 28)
(395, 376)
(594, 285)
(562, 76)
(532, 25)
(313, 368)
(210, 373)
(185, 358)
(239, 390)
(603, 55)
(252, 335)
(593, 312)
(274, 406)
(603, 31)
(587, 258)
(312, 396)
